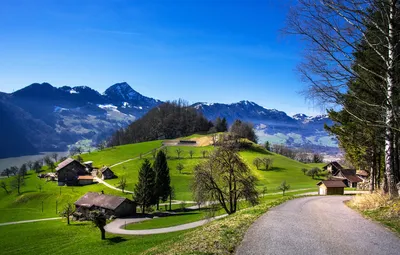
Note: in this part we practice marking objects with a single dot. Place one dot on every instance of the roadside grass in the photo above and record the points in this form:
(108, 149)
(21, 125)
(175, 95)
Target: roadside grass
(221, 236)
(378, 207)
(56, 237)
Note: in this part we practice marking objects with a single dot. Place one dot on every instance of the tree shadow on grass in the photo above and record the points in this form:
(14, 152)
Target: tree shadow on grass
(116, 240)
(274, 169)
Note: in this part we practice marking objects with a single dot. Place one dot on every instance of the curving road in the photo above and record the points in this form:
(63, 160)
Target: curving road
(317, 225)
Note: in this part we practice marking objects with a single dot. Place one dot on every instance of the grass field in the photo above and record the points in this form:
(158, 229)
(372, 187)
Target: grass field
(56, 237)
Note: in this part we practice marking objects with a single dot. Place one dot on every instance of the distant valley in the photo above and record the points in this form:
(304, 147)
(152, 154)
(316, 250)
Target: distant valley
(41, 117)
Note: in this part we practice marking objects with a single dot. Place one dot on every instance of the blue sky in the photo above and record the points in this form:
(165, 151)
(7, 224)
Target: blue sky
(211, 51)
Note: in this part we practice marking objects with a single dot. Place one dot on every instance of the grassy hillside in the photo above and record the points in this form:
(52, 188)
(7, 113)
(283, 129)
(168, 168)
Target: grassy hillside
(28, 205)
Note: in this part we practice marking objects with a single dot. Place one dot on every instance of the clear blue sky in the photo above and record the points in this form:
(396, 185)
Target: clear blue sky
(211, 51)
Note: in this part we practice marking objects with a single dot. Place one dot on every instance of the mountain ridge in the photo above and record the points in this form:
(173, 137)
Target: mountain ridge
(61, 116)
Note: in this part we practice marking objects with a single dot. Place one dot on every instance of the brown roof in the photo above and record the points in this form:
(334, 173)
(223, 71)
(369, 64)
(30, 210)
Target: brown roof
(85, 177)
(100, 200)
(362, 173)
(350, 175)
(334, 164)
(332, 184)
(66, 163)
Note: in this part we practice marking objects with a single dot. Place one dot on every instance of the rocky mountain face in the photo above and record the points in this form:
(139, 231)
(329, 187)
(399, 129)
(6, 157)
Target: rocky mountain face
(276, 126)
(41, 117)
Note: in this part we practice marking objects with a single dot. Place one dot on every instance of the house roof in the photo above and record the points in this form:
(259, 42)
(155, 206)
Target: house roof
(332, 184)
(362, 173)
(65, 163)
(104, 168)
(334, 164)
(350, 175)
(85, 177)
(100, 200)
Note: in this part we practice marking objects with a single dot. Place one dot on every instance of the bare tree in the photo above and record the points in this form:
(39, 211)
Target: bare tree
(179, 152)
(204, 152)
(18, 182)
(180, 167)
(29, 164)
(122, 184)
(333, 31)
(225, 178)
(99, 220)
(257, 162)
(68, 211)
(54, 156)
(191, 152)
(3, 185)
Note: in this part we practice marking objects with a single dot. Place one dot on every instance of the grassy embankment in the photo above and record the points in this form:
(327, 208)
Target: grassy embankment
(378, 207)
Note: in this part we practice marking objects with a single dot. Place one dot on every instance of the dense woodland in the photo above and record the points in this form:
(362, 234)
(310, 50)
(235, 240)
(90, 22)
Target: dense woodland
(352, 65)
(166, 121)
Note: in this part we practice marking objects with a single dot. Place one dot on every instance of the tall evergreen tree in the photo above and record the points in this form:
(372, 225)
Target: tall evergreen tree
(144, 190)
(163, 180)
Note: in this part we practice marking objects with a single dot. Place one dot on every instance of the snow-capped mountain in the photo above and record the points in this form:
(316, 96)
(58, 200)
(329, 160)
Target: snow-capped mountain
(41, 117)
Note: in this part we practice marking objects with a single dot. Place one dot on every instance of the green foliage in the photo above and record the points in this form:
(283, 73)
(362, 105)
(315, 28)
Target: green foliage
(180, 167)
(304, 170)
(244, 130)
(221, 125)
(267, 146)
(144, 193)
(315, 171)
(99, 220)
(283, 187)
(163, 179)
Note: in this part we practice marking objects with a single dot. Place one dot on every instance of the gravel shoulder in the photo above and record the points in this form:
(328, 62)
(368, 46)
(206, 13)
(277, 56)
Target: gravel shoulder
(317, 225)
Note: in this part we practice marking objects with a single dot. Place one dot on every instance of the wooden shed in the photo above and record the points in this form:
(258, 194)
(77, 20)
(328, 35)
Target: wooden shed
(331, 187)
(107, 173)
(85, 180)
(108, 204)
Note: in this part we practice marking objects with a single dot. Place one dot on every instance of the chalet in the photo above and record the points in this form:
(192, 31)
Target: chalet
(108, 204)
(107, 173)
(362, 174)
(68, 172)
(331, 187)
(85, 180)
(333, 167)
(350, 177)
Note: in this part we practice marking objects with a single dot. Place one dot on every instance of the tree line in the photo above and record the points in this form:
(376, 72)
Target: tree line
(352, 66)
(300, 155)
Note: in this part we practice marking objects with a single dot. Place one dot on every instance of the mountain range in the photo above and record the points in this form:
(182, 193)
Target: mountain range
(41, 117)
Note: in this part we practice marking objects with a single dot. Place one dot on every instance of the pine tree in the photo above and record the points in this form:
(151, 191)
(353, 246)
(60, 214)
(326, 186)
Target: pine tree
(163, 180)
(144, 189)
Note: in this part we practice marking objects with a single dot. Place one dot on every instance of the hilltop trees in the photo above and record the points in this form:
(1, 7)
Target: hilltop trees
(144, 193)
(266, 162)
(17, 182)
(162, 178)
(225, 178)
(352, 62)
(166, 121)
(244, 130)
(221, 125)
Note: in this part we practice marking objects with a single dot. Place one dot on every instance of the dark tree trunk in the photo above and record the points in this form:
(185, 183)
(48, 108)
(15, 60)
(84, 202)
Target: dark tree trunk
(158, 205)
(103, 233)
(68, 219)
(143, 207)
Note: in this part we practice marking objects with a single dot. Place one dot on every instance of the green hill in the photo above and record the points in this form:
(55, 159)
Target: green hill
(28, 205)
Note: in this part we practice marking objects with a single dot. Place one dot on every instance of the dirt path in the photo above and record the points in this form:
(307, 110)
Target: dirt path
(117, 226)
(28, 221)
(317, 225)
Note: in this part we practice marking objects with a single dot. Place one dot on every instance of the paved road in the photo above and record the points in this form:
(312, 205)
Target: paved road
(117, 226)
(27, 221)
(317, 225)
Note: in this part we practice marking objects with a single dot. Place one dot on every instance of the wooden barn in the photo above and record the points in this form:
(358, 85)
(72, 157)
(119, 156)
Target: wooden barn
(350, 177)
(331, 187)
(68, 172)
(108, 204)
(333, 167)
(107, 173)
